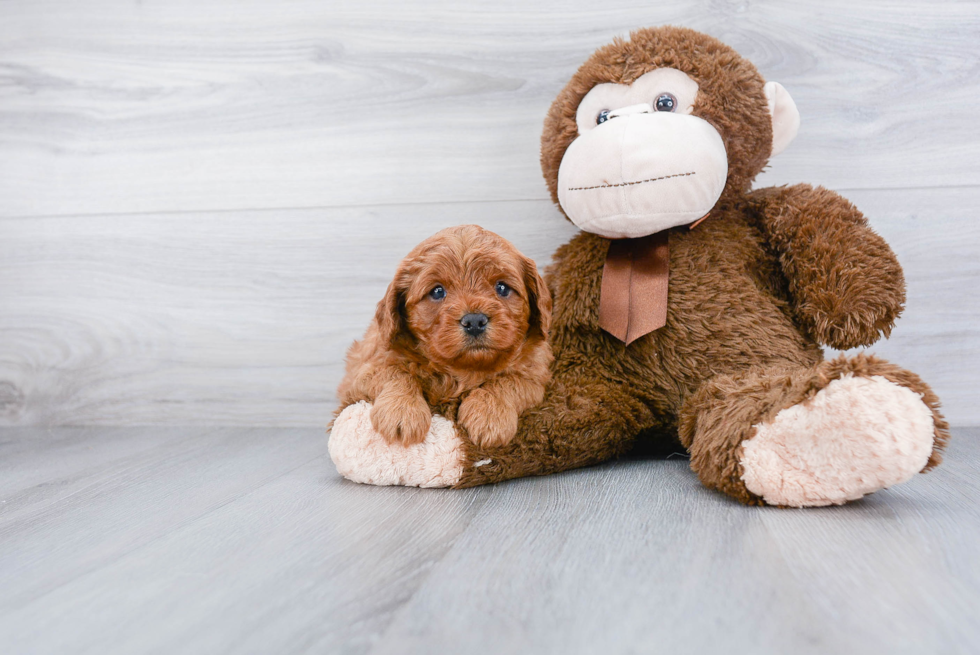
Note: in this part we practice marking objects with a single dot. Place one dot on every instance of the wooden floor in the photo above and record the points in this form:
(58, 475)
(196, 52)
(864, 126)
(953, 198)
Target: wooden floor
(197, 540)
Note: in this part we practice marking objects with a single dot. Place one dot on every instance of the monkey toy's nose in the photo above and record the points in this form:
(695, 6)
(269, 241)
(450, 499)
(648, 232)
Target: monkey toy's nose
(642, 108)
(474, 324)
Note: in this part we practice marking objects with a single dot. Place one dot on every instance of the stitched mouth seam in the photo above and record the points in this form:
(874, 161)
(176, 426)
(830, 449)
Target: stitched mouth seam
(608, 186)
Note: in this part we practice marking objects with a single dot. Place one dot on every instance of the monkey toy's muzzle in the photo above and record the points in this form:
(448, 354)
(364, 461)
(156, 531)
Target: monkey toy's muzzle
(641, 172)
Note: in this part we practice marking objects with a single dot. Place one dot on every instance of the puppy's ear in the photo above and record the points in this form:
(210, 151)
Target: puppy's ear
(392, 322)
(538, 298)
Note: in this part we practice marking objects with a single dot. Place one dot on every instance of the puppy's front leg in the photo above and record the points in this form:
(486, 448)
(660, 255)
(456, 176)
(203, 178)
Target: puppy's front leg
(490, 412)
(400, 413)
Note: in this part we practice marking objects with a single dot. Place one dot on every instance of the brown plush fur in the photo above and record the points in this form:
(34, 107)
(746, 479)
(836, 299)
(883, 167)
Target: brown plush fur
(754, 290)
(724, 411)
(416, 357)
(730, 97)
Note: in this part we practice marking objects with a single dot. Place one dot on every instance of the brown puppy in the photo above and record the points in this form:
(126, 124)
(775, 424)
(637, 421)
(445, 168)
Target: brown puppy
(461, 331)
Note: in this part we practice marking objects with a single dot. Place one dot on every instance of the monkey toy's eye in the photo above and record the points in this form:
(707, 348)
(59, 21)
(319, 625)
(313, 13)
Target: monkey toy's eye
(502, 290)
(666, 102)
(602, 117)
(437, 293)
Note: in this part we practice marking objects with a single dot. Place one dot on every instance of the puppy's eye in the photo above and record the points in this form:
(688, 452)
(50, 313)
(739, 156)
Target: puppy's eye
(666, 102)
(602, 117)
(437, 293)
(502, 290)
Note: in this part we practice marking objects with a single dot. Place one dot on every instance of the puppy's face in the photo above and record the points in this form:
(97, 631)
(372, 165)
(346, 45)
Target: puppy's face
(467, 300)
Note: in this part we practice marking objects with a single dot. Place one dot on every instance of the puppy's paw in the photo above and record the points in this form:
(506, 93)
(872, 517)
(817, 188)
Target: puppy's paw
(488, 420)
(401, 419)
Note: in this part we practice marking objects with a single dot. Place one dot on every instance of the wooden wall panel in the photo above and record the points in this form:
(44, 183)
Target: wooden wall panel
(232, 317)
(201, 201)
(242, 318)
(113, 107)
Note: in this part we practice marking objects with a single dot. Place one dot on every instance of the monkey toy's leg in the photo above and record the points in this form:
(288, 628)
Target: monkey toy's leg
(799, 437)
(582, 420)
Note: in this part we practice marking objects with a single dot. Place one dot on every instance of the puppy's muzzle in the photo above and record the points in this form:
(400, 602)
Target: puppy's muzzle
(474, 324)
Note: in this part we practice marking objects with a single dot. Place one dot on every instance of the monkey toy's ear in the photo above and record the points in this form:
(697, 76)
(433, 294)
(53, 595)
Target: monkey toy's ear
(785, 116)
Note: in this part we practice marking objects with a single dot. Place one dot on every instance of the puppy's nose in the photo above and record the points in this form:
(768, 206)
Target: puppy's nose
(474, 324)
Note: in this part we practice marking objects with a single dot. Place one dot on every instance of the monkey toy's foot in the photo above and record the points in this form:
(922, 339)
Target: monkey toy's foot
(855, 436)
(822, 436)
(363, 455)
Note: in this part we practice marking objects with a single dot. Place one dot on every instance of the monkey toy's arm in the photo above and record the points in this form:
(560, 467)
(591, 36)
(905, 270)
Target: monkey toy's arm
(585, 418)
(846, 285)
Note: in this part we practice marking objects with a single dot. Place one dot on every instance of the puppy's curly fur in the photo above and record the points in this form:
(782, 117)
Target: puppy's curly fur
(418, 357)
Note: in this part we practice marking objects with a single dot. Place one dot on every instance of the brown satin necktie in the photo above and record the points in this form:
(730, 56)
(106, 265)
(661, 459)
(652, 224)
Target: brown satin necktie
(633, 300)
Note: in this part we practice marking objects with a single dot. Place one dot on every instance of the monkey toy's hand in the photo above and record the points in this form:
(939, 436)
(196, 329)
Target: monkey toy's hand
(846, 285)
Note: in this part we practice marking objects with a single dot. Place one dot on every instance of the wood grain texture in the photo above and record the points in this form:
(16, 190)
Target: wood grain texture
(121, 107)
(150, 275)
(111, 502)
(223, 541)
(243, 318)
(230, 318)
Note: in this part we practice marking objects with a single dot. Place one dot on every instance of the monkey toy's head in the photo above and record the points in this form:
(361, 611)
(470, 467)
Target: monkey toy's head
(651, 132)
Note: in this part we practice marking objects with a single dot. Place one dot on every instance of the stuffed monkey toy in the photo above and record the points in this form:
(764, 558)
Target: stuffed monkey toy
(692, 309)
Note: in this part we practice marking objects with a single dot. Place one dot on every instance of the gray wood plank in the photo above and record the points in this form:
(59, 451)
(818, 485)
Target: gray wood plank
(633, 556)
(93, 514)
(642, 559)
(111, 107)
(31, 460)
(243, 318)
(346, 555)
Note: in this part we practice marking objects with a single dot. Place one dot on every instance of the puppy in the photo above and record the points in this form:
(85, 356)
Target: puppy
(465, 321)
